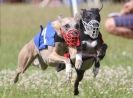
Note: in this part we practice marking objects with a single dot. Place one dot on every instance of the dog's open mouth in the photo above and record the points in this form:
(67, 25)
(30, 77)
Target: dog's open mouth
(72, 37)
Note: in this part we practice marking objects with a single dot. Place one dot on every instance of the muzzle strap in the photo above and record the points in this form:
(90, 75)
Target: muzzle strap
(91, 28)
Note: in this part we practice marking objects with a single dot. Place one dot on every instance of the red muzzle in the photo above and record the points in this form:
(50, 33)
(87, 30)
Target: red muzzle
(72, 38)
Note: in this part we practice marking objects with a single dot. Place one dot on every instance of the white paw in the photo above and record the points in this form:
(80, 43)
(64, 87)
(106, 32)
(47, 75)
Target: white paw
(69, 75)
(78, 64)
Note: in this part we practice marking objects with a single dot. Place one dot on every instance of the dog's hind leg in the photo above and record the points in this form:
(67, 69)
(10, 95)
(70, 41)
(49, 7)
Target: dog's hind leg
(25, 58)
(23, 63)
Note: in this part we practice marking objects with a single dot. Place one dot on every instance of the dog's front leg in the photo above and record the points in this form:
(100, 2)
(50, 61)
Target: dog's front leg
(78, 61)
(102, 51)
(54, 56)
(100, 55)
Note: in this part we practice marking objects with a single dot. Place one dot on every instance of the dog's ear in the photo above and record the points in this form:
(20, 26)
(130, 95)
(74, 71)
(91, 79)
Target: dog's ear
(57, 24)
(99, 7)
(95, 9)
(82, 11)
(60, 18)
(77, 17)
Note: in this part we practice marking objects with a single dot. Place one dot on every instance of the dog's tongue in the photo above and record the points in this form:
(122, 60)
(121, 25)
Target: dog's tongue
(78, 42)
(67, 55)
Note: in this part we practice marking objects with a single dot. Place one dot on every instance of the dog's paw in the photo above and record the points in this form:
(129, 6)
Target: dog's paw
(60, 67)
(76, 92)
(95, 71)
(78, 64)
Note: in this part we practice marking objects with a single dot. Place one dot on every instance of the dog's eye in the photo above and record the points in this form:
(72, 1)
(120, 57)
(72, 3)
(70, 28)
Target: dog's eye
(67, 26)
(88, 16)
(77, 26)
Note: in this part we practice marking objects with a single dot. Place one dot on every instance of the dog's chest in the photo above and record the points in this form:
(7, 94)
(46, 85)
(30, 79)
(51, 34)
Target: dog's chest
(89, 44)
(89, 47)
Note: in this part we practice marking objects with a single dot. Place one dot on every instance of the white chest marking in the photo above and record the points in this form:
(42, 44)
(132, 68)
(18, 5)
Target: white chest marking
(90, 44)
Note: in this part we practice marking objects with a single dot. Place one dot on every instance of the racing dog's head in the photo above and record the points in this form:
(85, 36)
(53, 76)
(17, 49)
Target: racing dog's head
(70, 30)
(90, 21)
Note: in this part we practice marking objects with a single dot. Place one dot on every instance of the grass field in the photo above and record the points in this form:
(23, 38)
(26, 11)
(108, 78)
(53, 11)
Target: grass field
(19, 23)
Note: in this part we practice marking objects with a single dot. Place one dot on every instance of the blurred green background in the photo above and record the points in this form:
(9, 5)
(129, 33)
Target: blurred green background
(18, 25)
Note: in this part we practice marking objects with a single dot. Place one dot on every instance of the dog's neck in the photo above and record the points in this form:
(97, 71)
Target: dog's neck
(85, 37)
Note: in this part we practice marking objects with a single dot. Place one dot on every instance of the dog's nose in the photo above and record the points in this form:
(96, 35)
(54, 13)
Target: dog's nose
(75, 33)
